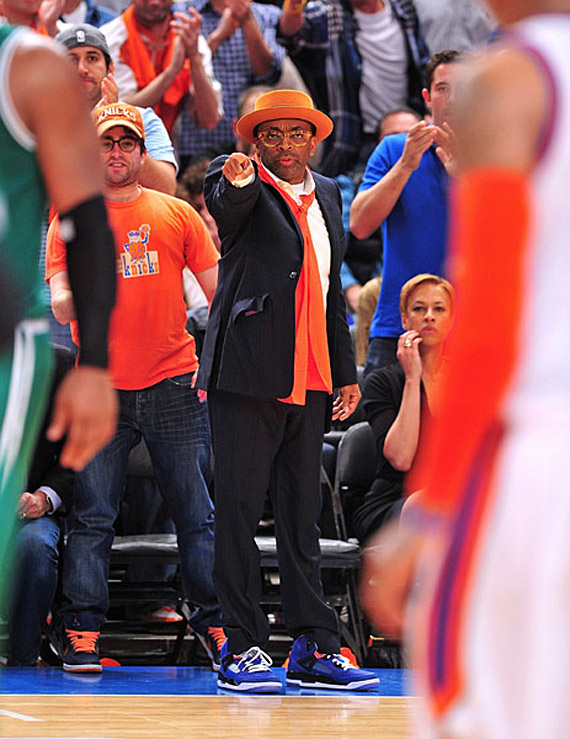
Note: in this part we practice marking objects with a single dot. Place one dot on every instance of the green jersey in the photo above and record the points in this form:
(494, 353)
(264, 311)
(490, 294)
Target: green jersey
(25, 365)
(22, 191)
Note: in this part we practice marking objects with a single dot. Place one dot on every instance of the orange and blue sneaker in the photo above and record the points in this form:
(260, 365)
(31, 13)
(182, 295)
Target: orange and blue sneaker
(248, 672)
(213, 641)
(309, 668)
(80, 648)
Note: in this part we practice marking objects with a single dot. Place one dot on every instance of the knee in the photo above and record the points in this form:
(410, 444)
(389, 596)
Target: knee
(36, 551)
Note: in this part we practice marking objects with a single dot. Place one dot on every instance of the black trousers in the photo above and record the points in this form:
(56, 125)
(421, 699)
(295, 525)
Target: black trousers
(262, 445)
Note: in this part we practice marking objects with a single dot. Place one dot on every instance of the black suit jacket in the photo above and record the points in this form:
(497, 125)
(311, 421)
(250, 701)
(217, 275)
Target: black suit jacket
(250, 339)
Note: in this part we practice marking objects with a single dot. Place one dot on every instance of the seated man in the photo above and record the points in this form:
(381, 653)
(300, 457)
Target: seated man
(49, 490)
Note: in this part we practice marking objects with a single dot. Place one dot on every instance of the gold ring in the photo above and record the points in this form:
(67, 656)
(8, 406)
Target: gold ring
(407, 343)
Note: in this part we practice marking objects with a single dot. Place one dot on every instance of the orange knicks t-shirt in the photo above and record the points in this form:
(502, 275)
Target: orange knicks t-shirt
(156, 236)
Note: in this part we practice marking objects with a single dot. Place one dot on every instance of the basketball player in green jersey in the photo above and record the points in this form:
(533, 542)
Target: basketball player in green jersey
(47, 141)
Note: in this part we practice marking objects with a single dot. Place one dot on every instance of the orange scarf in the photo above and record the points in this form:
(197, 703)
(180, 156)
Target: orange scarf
(39, 27)
(135, 54)
(312, 369)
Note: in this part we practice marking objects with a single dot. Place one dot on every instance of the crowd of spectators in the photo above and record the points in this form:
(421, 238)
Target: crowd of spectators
(385, 71)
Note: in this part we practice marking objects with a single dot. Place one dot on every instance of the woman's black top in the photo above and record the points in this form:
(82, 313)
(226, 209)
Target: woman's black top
(382, 397)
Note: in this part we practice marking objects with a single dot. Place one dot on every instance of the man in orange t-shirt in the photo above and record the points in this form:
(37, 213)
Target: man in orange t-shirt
(152, 362)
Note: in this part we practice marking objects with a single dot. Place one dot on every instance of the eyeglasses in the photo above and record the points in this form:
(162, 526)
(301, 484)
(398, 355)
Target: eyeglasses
(127, 144)
(273, 137)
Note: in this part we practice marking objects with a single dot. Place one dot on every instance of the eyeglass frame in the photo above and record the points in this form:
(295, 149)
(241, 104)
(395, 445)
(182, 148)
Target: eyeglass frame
(282, 135)
(118, 141)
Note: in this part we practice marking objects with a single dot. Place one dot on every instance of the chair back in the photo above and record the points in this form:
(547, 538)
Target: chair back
(356, 458)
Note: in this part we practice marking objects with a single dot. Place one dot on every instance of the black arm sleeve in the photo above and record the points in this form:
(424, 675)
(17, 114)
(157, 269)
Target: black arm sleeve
(12, 306)
(92, 276)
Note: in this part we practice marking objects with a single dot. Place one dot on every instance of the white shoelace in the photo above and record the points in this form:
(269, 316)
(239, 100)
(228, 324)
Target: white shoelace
(248, 660)
(339, 660)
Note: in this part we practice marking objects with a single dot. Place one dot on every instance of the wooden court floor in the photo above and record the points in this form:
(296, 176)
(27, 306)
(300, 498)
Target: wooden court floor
(179, 703)
(176, 717)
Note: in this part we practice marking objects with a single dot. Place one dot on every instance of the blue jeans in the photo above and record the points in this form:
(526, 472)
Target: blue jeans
(35, 579)
(381, 352)
(175, 427)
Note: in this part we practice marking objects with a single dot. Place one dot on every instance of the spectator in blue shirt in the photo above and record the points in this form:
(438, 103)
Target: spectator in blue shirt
(405, 189)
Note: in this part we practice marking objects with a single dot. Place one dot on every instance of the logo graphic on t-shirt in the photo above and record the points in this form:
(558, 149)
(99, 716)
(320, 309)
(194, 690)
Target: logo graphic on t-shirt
(136, 260)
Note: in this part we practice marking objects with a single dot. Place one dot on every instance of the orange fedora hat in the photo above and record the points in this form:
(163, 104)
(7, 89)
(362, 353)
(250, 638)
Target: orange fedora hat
(284, 104)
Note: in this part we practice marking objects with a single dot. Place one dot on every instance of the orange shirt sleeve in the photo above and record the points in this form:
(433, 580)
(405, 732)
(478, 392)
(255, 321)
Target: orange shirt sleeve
(490, 227)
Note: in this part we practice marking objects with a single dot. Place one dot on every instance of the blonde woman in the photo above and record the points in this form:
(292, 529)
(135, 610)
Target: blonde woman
(398, 398)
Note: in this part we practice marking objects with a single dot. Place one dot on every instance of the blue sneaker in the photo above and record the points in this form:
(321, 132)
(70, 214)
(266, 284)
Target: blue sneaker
(308, 668)
(247, 672)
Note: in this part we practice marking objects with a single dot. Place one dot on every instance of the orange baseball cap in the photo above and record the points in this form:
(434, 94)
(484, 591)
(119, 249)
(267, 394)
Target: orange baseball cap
(118, 114)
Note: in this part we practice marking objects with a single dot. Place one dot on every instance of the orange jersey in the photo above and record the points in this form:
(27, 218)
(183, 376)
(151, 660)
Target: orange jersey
(156, 236)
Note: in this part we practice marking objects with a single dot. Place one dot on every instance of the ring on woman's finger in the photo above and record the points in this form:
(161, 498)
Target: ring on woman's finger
(407, 343)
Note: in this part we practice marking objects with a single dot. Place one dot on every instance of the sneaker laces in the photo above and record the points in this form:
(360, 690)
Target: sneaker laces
(255, 660)
(338, 660)
(218, 636)
(83, 641)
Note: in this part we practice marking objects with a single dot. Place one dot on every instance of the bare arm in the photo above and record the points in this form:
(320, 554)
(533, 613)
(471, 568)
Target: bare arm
(292, 17)
(49, 13)
(371, 207)
(204, 102)
(401, 442)
(258, 52)
(153, 93)
(61, 298)
(158, 175)
(204, 105)
(226, 28)
(208, 279)
(498, 126)
(85, 406)
(64, 132)
(500, 115)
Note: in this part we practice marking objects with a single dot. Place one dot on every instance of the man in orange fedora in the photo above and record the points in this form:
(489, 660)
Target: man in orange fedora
(277, 345)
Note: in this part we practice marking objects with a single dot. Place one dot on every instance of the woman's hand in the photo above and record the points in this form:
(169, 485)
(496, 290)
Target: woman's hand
(408, 354)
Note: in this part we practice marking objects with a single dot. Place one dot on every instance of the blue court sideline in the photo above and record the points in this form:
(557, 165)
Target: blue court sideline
(157, 681)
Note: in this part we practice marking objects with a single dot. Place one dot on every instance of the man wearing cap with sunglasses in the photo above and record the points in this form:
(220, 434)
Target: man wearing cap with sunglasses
(152, 363)
(276, 346)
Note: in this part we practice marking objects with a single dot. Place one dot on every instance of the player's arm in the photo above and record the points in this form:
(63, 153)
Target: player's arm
(499, 123)
(498, 127)
(48, 98)
(372, 206)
